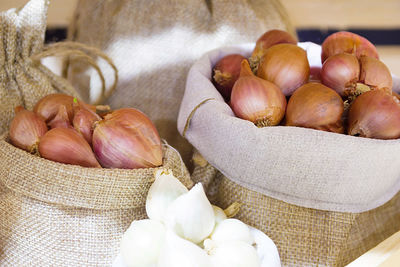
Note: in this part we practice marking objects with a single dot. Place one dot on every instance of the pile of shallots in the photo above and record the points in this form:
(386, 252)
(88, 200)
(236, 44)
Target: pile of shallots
(352, 93)
(184, 229)
(64, 129)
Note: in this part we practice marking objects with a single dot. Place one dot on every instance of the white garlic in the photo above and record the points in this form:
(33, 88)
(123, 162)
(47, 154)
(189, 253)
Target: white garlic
(191, 215)
(219, 214)
(178, 252)
(165, 189)
(234, 254)
(141, 243)
(232, 230)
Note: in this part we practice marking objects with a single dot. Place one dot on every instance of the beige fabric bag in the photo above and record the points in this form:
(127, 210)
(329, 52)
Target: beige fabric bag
(154, 43)
(53, 214)
(318, 195)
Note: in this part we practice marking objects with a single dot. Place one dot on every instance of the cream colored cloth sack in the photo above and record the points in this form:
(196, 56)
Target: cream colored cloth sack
(318, 195)
(305, 167)
(154, 43)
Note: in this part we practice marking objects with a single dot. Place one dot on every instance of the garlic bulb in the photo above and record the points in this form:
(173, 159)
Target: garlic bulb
(141, 243)
(165, 189)
(219, 214)
(191, 215)
(234, 254)
(178, 252)
(232, 230)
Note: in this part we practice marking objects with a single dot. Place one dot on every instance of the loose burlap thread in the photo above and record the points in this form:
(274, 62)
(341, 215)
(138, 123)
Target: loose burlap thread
(323, 198)
(154, 43)
(53, 214)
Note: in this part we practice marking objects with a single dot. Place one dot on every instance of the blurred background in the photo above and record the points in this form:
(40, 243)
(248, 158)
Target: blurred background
(378, 21)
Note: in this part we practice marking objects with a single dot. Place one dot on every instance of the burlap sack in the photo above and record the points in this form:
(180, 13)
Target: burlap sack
(154, 43)
(53, 214)
(318, 195)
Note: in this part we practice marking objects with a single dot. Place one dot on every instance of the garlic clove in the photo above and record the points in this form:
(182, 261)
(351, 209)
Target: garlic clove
(232, 230)
(165, 189)
(219, 214)
(178, 252)
(142, 242)
(234, 254)
(191, 215)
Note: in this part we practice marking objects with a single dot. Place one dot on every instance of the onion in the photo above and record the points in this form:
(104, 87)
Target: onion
(225, 74)
(347, 42)
(315, 106)
(127, 139)
(67, 146)
(84, 120)
(48, 106)
(268, 39)
(341, 73)
(257, 100)
(285, 65)
(375, 74)
(61, 120)
(26, 128)
(375, 114)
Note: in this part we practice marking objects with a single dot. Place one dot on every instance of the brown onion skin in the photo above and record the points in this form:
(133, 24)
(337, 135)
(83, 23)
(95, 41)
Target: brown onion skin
(26, 128)
(271, 38)
(67, 146)
(285, 65)
(84, 120)
(341, 73)
(61, 120)
(315, 106)
(257, 100)
(127, 139)
(347, 42)
(375, 74)
(375, 114)
(48, 106)
(225, 74)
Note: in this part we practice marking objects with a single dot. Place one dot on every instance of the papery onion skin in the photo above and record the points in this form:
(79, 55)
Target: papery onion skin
(257, 100)
(26, 128)
(265, 41)
(347, 42)
(315, 106)
(225, 74)
(84, 120)
(61, 120)
(375, 74)
(285, 65)
(67, 146)
(375, 114)
(48, 106)
(341, 73)
(127, 139)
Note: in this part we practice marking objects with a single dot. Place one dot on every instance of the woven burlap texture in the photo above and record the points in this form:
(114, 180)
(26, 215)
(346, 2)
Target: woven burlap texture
(154, 43)
(311, 237)
(304, 167)
(323, 198)
(54, 214)
(24, 81)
